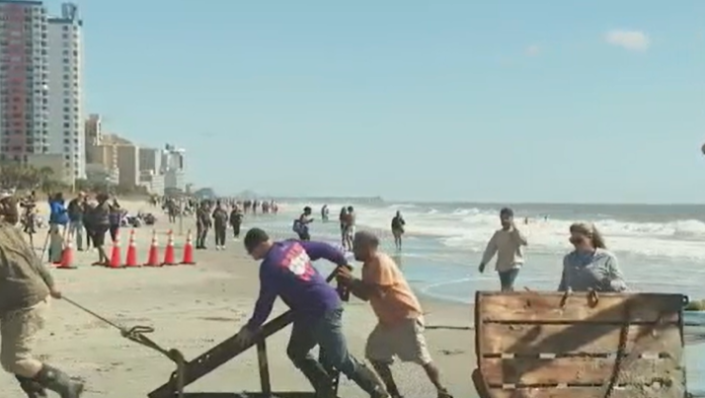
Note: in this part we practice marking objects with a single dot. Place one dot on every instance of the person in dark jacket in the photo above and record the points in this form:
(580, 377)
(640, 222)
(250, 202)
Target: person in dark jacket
(26, 286)
(115, 219)
(88, 221)
(203, 224)
(236, 221)
(100, 224)
(220, 225)
(75, 212)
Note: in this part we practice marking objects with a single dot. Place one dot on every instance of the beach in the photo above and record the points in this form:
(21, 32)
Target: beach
(192, 308)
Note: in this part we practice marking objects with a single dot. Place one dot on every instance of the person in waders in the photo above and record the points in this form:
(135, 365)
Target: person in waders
(301, 224)
(203, 224)
(398, 225)
(287, 271)
(26, 287)
(220, 225)
(236, 221)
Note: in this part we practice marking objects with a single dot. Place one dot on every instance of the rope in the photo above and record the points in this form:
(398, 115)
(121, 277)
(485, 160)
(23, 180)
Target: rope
(137, 335)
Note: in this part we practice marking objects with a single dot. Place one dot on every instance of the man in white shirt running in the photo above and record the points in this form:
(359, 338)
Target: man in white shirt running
(507, 243)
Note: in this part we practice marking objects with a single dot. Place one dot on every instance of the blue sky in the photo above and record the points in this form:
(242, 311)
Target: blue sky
(542, 100)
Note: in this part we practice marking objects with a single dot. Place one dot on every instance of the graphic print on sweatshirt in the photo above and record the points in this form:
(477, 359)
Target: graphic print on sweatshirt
(297, 261)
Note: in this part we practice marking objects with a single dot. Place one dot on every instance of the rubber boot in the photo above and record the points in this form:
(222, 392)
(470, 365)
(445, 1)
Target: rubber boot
(368, 381)
(31, 387)
(55, 380)
(316, 375)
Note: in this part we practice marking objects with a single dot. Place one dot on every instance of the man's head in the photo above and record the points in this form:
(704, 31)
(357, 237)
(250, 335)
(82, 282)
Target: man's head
(257, 243)
(365, 245)
(506, 217)
(307, 210)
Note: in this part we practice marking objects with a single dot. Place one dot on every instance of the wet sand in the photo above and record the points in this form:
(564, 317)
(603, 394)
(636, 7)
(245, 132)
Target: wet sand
(193, 308)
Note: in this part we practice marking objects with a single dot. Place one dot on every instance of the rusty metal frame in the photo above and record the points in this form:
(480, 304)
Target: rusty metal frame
(228, 349)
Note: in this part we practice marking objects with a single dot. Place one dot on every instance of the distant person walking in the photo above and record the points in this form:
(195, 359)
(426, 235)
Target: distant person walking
(236, 217)
(507, 242)
(220, 225)
(398, 225)
(203, 224)
(75, 211)
(301, 224)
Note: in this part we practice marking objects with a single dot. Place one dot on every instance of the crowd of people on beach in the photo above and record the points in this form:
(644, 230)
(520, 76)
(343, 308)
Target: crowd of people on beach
(286, 272)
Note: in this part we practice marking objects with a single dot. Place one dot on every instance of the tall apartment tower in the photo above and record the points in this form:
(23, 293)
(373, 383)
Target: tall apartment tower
(66, 100)
(24, 77)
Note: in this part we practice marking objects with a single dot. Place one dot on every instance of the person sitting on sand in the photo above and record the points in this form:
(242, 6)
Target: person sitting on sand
(507, 242)
(590, 266)
(286, 271)
(400, 326)
(25, 287)
(398, 224)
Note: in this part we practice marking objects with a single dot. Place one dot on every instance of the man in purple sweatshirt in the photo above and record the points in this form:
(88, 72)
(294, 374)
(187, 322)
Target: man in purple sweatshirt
(286, 271)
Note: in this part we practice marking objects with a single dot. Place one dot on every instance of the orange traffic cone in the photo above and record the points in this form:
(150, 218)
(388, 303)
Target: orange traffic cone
(131, 257)
(169, 258)
(153, 259)
(188, 251)
(67, 257)
(115, 255)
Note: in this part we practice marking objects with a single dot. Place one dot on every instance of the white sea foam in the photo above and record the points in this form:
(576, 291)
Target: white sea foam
(470, 228)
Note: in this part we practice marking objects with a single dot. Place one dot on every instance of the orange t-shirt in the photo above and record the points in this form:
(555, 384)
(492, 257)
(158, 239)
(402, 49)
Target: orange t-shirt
(397, 301)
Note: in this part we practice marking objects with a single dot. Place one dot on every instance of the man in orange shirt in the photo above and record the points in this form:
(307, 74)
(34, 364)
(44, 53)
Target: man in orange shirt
(400, 327)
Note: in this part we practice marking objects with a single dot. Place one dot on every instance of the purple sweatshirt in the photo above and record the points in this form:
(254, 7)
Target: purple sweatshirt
(287, 272)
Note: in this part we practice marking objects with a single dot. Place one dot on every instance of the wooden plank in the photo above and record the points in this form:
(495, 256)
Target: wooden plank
(589, 392)
(533, 339)
(576, 370)
(577, 307)
(263, 366)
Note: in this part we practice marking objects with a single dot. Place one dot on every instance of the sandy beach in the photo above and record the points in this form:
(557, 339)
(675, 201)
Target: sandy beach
(193, 308)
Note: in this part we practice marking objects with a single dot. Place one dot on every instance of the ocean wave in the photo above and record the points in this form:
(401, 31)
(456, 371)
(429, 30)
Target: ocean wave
(470, 228)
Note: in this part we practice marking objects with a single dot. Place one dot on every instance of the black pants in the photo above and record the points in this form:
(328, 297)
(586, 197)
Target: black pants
(114, 229)
(304, 235)
(201, 235)
(89, 235)
(220, 231)
(236, 230)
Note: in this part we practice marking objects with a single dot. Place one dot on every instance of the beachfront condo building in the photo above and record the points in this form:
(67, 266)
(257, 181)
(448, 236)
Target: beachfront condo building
(66, 122)
(41, 89)
(24, 79)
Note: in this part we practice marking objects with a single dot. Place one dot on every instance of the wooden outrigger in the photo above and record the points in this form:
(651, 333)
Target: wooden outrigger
(579, 345)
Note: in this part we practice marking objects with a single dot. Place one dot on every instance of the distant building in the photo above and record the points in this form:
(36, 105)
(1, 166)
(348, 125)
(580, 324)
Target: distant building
(128, 161)
(152, 182)
(99, 174)
(24, 79)
(173, 167)
(66, 124)
(151, 160)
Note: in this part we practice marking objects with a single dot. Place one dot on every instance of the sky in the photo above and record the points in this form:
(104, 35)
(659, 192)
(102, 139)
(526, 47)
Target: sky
(520, 101)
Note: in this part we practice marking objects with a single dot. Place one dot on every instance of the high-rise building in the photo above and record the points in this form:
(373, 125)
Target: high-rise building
(24, 77)
(66, 121)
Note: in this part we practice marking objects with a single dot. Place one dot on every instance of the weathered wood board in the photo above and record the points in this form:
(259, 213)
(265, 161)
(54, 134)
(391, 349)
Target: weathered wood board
(579, 345)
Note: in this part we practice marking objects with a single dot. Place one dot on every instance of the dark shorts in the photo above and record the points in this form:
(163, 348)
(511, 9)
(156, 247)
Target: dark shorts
(98, 235)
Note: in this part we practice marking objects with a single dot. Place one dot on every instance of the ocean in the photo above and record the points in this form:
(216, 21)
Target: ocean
(661, 248)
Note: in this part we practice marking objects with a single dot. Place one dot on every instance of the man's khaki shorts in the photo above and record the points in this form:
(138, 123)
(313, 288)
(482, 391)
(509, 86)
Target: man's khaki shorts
(405, 341)
(18, 330)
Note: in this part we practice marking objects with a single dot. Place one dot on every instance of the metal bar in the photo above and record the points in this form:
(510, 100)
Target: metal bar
(263, 366)
(222, 353)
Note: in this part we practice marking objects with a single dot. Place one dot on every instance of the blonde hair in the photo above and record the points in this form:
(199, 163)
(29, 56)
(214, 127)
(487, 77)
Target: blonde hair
(590, 232)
